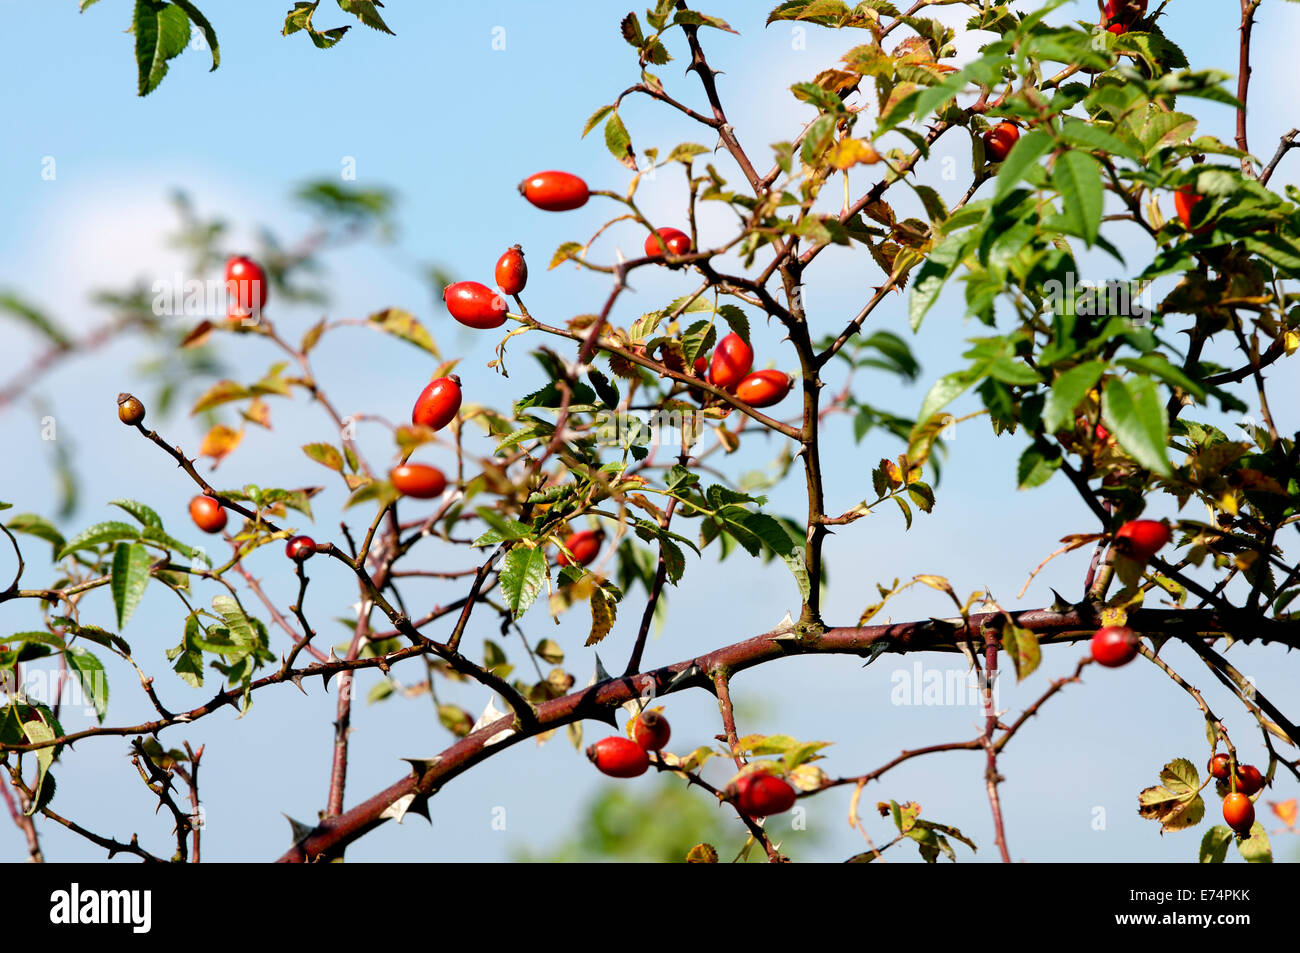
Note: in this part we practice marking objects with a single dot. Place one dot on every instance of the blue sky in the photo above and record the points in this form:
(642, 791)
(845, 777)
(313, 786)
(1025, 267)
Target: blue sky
(452, 123)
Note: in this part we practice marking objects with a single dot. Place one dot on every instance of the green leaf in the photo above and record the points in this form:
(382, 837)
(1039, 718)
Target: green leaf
(944, 391)
(325, 454)
(209, 35)
(404, 325)
(141, 512)
(1021, 646)
(1159, 366)
(162, 31)
(698, 339)
(364, 10)
(595, 118)
(1084, 135)
(130, 577)
(1067, 392)
(1254, 848)
(1077, 176)
(94, 680)
(241, 629)
(1028, 149)
(930, 277)
(1037, 464)
(37, 732)
(1214, 845)
(299, 18)
(619, 142)
(1136, 416)
(522, 577)
(106, 532)
(30, 316)
(37, 526)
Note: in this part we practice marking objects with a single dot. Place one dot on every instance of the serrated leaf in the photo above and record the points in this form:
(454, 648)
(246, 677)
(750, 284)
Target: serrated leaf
(130, 576)
(162, 31)
(404, 325)
(1068, 391)
(523, 575)
(619, 142)
(1134, 413)
(90, 673)
(325, 454)
(1077, 176)
(107, 532)
(604, 610)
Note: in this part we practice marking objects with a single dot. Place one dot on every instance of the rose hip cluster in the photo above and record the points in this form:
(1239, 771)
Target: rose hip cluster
(755, 792)
(1243, 784)
(435, 408)
(1139, 540)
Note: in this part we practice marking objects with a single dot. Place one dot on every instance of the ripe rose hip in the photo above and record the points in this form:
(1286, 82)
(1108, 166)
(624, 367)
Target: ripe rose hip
(1185, 201)
(475, 305)
(999, 140)
(760, 795)
(300, 548)
(208, 514)
(1142, 539)
(676, 241)
(1239, 812)
(618, 757)
(418, 480)
(1122, 14)
(438, 403)
(1114, 645)
(1219, 766)
(1249, 780)
(555, 191)
(129, 410)
(650, 730)
(764, 388)
(732, 360)
(512, 271)
(584, 546)
(246, 286)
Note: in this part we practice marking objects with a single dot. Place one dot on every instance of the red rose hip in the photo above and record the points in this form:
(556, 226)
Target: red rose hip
(1142, 539)
(618, 757)
(650, 730)
(1114, 645)
(764, 388)
(584, 546)
(438, 403)
(418, 480)
(674, 240)
(475, 305)
(1219, 767)
(1249, 780)
(300, 548)
(732, 360)
(999, 140)
(760, 795)
(1239, 812)
(1185, 201)
(555, 191)
(512, 271)
(207, 514)
(246, 287)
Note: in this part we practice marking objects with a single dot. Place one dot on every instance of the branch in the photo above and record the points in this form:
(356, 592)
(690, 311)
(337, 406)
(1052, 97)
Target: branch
(598, 701)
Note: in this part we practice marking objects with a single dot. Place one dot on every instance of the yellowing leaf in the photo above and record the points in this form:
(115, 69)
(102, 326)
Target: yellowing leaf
(219, 443)
(850, 152)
